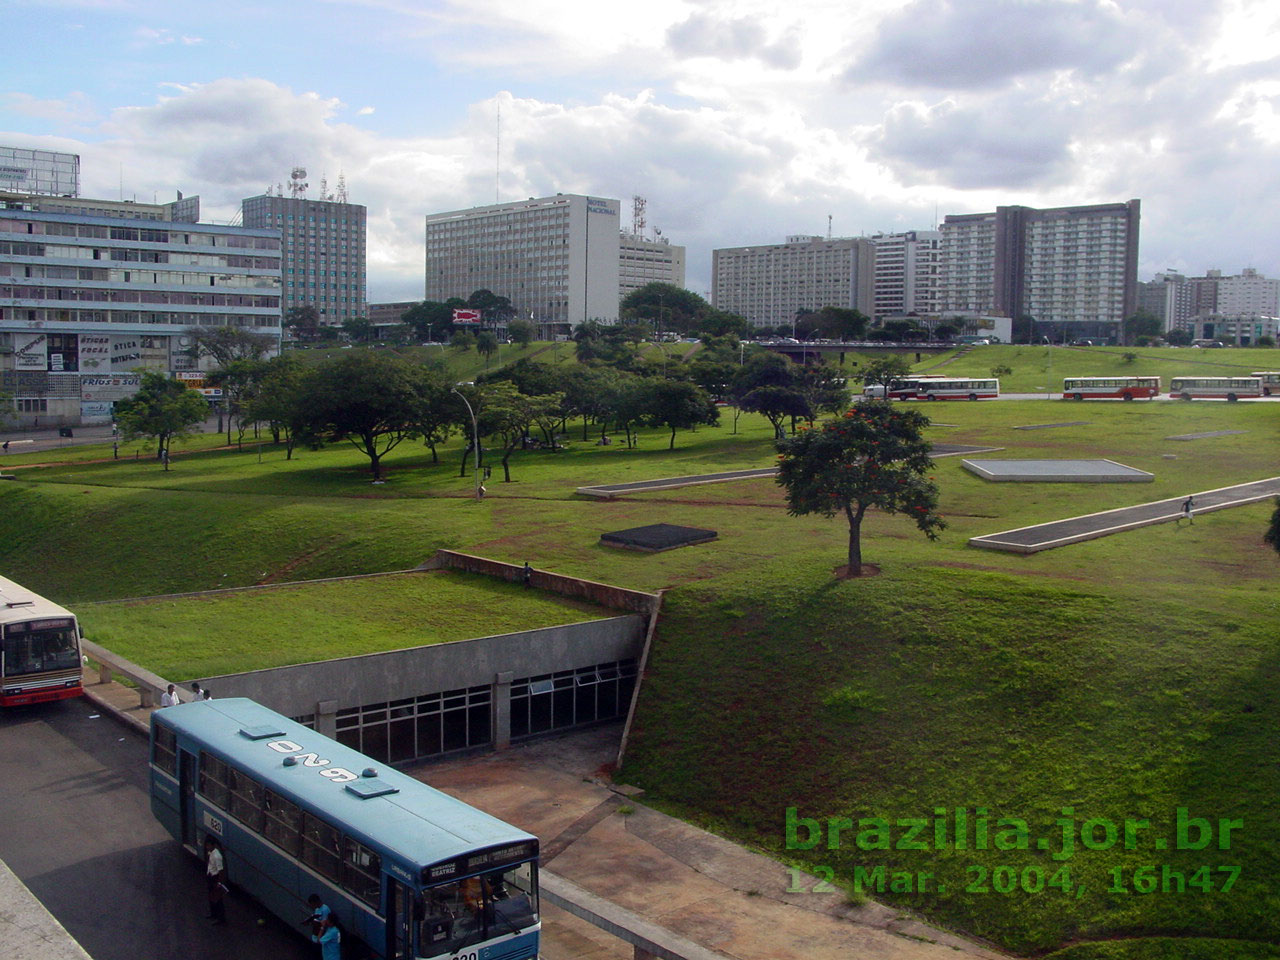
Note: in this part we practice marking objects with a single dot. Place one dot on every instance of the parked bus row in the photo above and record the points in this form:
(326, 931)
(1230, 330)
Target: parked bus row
(39, 648)
(927, 387)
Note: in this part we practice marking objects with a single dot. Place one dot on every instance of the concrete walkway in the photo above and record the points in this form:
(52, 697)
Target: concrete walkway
(1059, 533)
(27, 930)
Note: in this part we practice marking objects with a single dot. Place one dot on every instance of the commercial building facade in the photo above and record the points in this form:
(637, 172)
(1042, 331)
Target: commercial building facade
(323, 252)
(1185, 303)
(768, 285)
(642, 261)
(1073, 269)
(555, 258)
(907, 273)
(92, 292)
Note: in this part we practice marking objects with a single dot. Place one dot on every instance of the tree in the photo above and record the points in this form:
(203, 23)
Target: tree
(238, 381)
(1178, 338)
(304, 321)
(370, 398)
(229, 344)
(521, 332)
(437, 411)
(1141, 324)
(358, 329)
(1265, 341)
(463, 340)
(431, 320)
(162, 409)
(677, 404)
(873, 456)
(1272, 536)
(509, 414)
(776, 403)
(277, 401)
(486, 345)
(495, 308)
(882, 371)
(665, 306)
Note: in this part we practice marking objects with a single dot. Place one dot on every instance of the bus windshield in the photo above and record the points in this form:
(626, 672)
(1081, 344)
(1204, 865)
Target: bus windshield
(39, 645)
(458, 914)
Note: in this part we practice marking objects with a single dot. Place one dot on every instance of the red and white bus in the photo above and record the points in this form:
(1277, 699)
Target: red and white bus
(1202, 388)
(1110, 388)
(949, 388)
(39, 648)
(1270, 381)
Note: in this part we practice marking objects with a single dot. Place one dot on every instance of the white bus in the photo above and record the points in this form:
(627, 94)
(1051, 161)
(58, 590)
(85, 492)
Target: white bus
(948, 388)
(39, 648)
(1110, 388)
(904, 389)
(1270, 381)
(1200, 388)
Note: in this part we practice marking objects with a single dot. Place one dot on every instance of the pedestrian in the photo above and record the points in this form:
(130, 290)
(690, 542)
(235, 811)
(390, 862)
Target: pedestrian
(170, 697)
(205, 694)
(195, 692)
(215, 877)
(1188, 506)
(319, 914)
(527, 574)
(6, 446)
(329, 938)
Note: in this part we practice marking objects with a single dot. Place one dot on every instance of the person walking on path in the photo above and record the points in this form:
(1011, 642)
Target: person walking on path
(1188, 506)
(329, 938)
(195, 692)
(215, 876)
(170, 697)
(527, 574)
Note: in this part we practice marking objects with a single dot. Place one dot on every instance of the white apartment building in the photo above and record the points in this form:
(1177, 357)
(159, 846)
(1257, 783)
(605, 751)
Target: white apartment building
(768, 285)
(1248, 295)
(555, 258)
(907, 271)
(1071, 268)
(322, 245)
(94, 291)
(1182, 302)
(642, 261)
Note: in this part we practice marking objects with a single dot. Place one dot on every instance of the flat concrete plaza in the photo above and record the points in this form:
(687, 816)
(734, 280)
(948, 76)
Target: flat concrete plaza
(1056, 471)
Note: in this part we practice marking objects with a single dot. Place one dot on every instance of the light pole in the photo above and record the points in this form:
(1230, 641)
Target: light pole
(475, 431)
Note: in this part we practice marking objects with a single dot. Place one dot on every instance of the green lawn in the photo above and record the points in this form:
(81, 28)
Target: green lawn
(1124, 676)
(184, 637)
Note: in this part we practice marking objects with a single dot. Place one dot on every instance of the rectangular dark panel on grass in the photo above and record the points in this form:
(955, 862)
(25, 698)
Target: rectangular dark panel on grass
(656, 537)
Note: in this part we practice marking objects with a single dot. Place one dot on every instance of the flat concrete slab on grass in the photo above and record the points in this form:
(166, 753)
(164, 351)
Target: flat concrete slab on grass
(657, 537)
(1205, 436)
(1050, 426)
(1056, 471)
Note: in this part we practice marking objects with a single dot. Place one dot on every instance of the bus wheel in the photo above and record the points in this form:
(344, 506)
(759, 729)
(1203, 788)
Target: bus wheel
(1077, 396)
(1128, 396)
(1186, 396)
(931, 397)
(1231, 398)
(1266, 391)
(973, 396)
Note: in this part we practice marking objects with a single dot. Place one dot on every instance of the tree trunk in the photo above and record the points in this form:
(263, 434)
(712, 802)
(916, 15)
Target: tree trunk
(375, 461)
(584, 428)
(466, 451)
(672, 444)
(855, 538)
(435, 457)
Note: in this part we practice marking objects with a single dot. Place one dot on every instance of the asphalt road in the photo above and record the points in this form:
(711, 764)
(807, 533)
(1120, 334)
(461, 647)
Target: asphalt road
(76, 828)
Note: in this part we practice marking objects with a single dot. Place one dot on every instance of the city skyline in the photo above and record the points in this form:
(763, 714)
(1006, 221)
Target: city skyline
(741, 124)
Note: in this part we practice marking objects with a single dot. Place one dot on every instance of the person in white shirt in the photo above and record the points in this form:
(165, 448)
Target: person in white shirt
(170, 697)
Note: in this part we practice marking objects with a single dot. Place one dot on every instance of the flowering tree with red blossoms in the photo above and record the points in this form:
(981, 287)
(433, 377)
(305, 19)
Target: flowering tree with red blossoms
(873, 456)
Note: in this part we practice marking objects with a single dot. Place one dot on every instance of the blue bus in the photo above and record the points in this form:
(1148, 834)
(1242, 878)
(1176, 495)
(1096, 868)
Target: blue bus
(410, 871)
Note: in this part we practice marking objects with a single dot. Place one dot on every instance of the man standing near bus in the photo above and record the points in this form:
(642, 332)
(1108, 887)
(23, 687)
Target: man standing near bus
(215, 875)
(329, 938)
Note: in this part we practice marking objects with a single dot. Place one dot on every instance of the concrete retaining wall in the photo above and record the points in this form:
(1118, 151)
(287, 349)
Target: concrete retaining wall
(606, 595)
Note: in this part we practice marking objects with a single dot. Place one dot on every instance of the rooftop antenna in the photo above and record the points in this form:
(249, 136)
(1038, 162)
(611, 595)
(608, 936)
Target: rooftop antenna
(342, 187)
(497, 155)
(324, 188)
(638, 219)
(298, 182)
(828, 226)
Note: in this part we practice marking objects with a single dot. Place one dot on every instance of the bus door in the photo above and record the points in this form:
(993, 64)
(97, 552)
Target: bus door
(399, 921)
(187, 797)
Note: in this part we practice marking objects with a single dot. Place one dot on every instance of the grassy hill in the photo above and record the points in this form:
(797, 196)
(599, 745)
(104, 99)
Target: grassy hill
(1122, 677)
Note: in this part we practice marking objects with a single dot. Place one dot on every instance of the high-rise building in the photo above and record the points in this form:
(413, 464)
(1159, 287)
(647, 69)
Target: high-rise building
(768, 285)
(1168, 298)
(40, 172)
(555, 258)
(642, 261)
(1187, 303)
(322, 244)
(1070, 268)
(94, 291)
(907, 273)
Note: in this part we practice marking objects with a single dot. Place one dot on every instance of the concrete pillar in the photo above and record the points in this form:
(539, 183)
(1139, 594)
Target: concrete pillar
(104, 673)
(146, 696)
(327, 718)
(502, 709)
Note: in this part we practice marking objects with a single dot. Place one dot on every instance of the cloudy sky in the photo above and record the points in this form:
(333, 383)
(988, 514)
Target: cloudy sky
(740, 122)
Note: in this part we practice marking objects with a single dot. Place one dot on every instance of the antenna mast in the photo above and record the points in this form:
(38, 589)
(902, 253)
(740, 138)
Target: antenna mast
(828, 226)
(297, 182)
(638, 220)
(497, 156)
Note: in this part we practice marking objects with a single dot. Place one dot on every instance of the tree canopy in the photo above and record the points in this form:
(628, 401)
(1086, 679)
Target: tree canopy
(162, 409)
(873, 456)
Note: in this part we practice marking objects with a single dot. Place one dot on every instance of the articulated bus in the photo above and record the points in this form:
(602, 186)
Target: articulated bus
(1200, 388)
(410, 871)
(1110, 388)
(947, 388)
(39, 648)
(1270, 381)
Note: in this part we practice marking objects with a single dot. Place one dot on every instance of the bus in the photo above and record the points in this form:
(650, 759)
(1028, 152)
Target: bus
(1270, 381)
(905, 389)
(1112, 388)
(410, 871)
(947, 388)
(39, 648)
(1200, 388)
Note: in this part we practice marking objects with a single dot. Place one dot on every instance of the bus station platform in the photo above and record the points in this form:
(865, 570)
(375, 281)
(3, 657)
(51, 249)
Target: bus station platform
(29, 931)
(1059, 533)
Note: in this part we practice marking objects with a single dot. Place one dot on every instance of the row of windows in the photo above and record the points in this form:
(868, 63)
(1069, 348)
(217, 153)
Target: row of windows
(569, 698)
(49, 315)
(96, 295)
(423, 726)
(297, 832)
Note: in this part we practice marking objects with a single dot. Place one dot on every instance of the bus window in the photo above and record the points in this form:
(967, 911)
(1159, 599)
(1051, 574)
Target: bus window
(283, 820)
(320, 847)
(362, 872)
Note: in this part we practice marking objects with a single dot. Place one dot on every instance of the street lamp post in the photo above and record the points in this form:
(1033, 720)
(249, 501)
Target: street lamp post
(475, 431)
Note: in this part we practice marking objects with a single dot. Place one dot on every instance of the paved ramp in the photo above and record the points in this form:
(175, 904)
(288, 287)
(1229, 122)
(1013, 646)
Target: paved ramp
(1059, 533)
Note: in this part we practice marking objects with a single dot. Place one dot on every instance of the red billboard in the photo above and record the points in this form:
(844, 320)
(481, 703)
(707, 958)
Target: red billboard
(465, 315)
